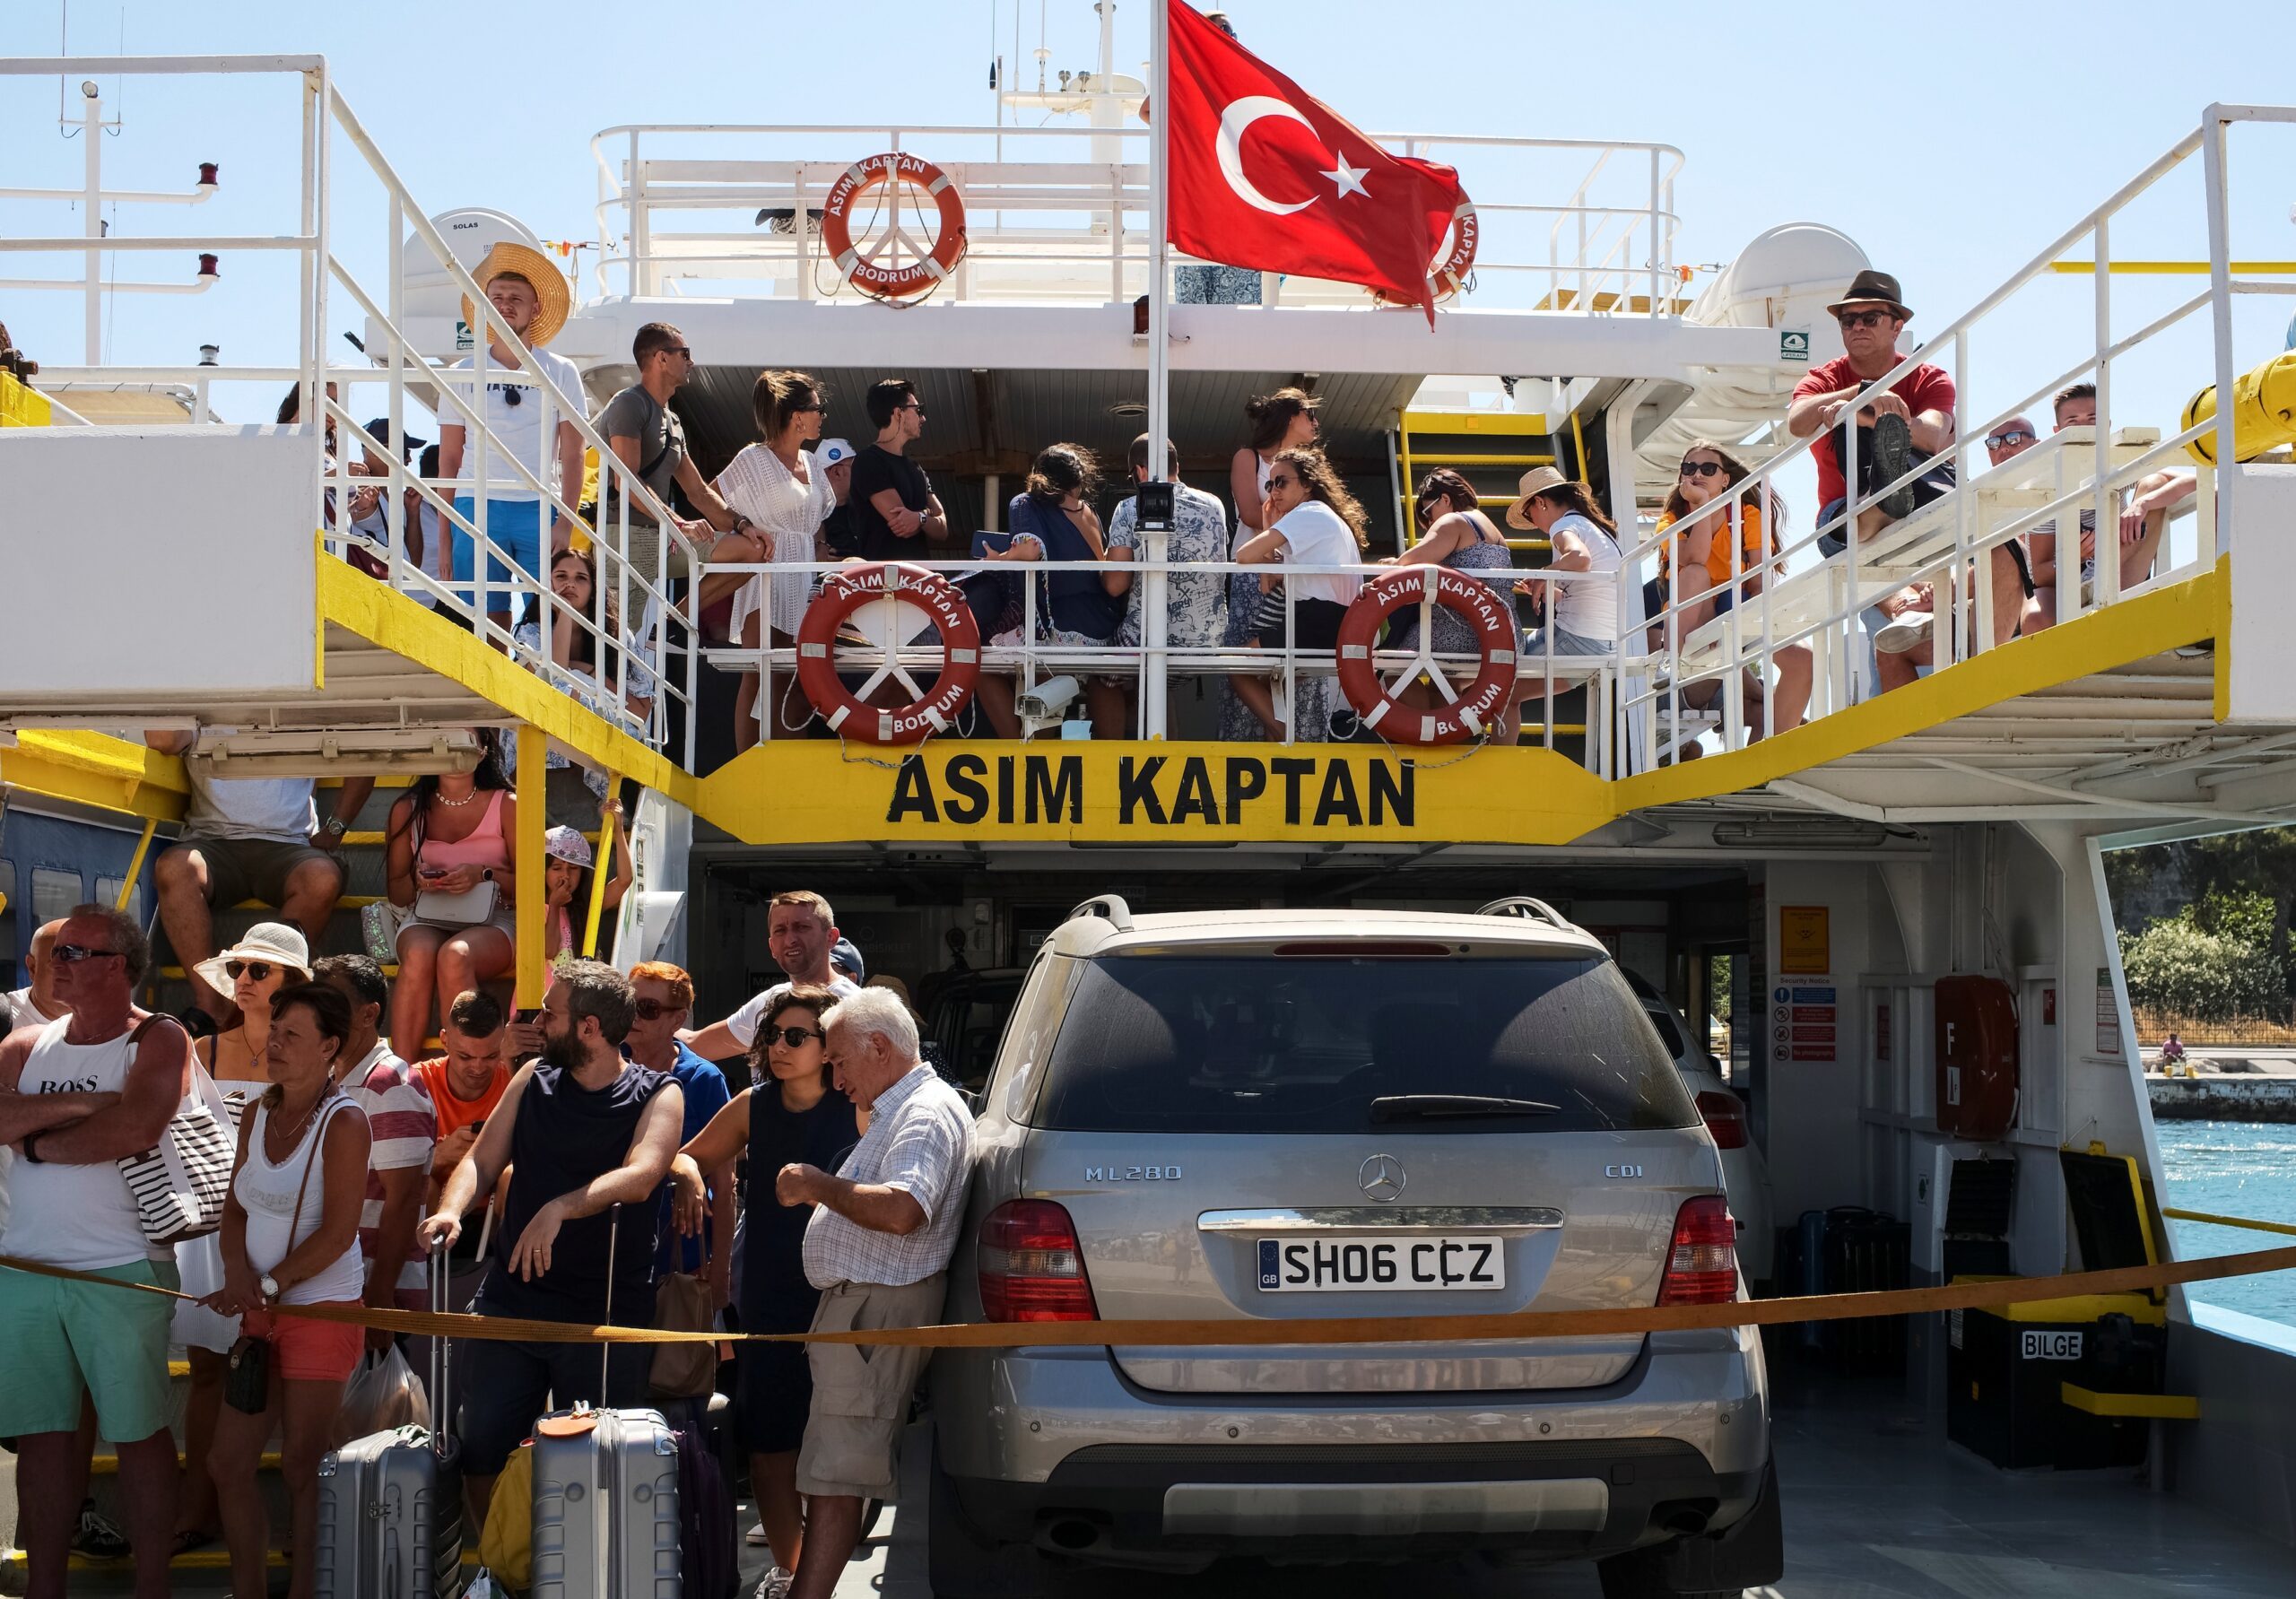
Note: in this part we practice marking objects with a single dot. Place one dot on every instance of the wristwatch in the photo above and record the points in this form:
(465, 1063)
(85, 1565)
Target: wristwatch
(488, 874)
(335, 827)
(270, 1286)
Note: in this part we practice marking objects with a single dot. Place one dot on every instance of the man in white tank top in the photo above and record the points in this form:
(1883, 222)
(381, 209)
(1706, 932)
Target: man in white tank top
(75, 1097)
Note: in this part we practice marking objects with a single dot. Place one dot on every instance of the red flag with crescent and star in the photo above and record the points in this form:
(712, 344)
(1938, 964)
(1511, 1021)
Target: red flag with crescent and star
(1263, 175)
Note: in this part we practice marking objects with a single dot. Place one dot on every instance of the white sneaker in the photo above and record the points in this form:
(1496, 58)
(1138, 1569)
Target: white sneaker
(775, 1585)
(756, 1536)
(1909, 629)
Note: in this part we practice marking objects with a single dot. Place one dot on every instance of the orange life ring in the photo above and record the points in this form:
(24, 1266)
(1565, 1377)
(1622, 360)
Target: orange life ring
(846, 592)
(1449, 276)
(1484, 606)
(881, 172)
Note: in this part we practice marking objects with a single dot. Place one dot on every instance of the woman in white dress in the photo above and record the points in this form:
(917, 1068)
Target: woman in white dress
(779, 501)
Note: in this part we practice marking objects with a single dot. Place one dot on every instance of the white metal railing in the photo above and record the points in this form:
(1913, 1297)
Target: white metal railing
(1953, 558)
(329, 223)
(1028, 660)
(1060, 213)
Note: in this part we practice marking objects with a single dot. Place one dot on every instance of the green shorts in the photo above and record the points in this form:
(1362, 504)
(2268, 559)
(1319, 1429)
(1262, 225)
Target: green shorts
(63, 1337)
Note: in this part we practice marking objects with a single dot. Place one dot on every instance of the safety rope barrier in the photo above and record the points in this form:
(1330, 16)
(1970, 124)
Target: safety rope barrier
(2279, 1227)
(1202, 1334)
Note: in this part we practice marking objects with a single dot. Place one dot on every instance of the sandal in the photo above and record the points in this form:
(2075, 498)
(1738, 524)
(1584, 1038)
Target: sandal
(189, 1539)
(1892, 454)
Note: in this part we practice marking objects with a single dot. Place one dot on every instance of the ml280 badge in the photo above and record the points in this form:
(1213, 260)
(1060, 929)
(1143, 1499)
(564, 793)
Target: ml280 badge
(1132, 1173)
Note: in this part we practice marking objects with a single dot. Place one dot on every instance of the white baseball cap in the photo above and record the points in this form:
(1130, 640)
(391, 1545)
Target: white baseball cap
(831, 451)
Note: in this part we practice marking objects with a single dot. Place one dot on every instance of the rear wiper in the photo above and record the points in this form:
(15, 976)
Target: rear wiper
(1416, 1108)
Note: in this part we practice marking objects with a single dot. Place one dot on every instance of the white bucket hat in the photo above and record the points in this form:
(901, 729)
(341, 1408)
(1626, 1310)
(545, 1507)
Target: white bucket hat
(274, 942)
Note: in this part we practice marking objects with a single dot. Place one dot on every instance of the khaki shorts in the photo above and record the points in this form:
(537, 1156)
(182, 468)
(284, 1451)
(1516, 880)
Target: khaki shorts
(242, 869)
(861, 1392)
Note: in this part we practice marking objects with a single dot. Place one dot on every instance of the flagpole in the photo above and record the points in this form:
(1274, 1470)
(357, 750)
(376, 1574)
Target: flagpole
(1159, 344)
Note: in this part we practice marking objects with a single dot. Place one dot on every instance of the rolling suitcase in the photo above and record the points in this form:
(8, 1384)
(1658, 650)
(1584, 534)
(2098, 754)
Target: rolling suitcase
(391, 1504)
(606, 1509)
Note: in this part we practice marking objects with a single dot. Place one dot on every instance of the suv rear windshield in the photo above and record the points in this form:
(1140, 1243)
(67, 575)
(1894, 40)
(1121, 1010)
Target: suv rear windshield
(1251, 1041)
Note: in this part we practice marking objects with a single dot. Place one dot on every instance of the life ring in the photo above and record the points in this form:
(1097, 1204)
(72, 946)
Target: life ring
(1447, 278)
(846, 592)
(1486, 608)
(893, 170)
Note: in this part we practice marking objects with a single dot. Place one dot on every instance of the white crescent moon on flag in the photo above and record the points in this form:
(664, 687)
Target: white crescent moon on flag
(1238, 116)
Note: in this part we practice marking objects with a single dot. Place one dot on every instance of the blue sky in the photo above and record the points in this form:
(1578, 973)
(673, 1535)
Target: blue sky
(1952, 140)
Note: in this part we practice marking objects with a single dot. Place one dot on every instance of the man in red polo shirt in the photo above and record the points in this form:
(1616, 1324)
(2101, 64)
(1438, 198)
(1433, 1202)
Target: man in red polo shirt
(1907, 424)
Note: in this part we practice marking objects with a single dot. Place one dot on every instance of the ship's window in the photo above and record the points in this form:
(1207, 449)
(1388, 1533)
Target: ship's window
(54, 893)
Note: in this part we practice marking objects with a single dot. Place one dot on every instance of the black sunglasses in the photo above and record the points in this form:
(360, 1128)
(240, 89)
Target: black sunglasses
(1701, 468)
(1274, 482)
(2003, 440)
(684, 350)
(258, 970)
(72, 954)
(792, 1037)
(1862, 319)
(653, 1010)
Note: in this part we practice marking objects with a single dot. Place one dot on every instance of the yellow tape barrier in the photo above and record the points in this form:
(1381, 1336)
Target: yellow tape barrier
(1317, 1329)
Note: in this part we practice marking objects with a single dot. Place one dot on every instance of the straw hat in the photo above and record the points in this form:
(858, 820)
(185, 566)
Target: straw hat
(552, 298)
(1538, 480)
(272, 942)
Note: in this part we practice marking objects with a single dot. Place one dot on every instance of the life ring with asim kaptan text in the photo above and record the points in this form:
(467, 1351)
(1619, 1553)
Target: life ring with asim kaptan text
(893, 172)
(1486, 608)
(1447, 278)
(950, 614)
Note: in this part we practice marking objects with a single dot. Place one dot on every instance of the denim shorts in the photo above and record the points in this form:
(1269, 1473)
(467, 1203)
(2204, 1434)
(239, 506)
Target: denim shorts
(1566, 643)
(513, 526)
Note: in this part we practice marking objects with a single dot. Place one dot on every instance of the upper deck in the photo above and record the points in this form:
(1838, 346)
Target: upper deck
(2100, 718)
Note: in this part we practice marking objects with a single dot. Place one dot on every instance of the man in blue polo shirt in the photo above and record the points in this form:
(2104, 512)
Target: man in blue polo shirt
(665, 1005)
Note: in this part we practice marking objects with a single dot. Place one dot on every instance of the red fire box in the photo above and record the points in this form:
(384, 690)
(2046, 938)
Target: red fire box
(1977, 1056)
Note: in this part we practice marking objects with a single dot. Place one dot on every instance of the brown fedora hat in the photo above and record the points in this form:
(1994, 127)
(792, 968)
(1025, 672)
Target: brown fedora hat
(1873, 288)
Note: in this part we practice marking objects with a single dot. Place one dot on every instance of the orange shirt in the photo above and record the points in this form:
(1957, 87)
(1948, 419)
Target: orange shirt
(1718, 563)
(453, 1114)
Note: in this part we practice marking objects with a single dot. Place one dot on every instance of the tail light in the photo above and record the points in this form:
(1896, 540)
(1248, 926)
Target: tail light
(1031, 1267)
(1726, 1118)
(1702, 1261)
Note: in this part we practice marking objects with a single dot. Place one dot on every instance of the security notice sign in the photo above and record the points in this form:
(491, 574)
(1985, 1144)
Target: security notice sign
(1805, 1020)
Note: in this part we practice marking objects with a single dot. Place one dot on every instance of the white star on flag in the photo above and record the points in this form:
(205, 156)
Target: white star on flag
(1349, 179)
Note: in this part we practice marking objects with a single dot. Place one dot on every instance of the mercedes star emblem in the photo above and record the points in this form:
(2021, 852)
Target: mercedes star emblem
(1382, 1177)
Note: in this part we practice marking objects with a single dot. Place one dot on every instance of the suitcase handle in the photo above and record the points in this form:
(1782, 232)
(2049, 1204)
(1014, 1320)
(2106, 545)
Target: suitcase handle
(441, 1358)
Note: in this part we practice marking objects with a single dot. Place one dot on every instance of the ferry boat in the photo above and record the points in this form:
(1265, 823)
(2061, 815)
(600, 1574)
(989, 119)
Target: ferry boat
(1861, 876)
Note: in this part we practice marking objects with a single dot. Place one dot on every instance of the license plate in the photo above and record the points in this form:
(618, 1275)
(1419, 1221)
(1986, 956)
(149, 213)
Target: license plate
(1422, 1264)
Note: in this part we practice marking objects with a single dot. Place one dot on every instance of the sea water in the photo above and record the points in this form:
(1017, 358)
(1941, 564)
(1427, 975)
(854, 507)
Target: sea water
(2233, 1168)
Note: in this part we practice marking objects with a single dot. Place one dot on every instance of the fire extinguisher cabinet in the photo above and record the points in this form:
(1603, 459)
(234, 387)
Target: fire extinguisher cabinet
(1976, 1036)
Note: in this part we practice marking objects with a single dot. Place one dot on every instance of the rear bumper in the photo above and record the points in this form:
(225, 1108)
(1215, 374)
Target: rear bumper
(1184, 1506)
(1029, 1437)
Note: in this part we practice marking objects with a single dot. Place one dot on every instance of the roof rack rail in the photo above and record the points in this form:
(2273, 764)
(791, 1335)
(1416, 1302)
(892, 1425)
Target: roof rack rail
(1529, 910)
(1108, 908)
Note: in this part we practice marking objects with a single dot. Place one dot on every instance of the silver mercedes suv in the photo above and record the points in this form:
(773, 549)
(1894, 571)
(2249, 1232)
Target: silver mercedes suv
(1261, 1115)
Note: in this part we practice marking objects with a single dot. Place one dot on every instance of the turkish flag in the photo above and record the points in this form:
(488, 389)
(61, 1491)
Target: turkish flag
(1265, 176)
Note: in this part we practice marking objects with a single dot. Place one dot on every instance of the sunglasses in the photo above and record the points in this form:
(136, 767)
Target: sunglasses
(72, 954)
(653, 1010)
(1274, 482)
(258, 970)
(512, 395)
(1701, 469)
(2003, 440)
(1862, 319)
(792, 1037)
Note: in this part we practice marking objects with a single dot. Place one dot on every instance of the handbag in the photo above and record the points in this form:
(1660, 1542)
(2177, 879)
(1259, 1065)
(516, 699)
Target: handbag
(380, 924)
(474, 905)
(180, 1182)
(683, 1304)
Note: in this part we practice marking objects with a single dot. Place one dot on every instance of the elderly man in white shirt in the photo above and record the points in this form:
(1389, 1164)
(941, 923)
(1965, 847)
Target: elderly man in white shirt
(878, 1248)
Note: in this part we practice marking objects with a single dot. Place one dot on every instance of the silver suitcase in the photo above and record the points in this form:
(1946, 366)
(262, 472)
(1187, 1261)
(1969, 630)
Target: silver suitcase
(606, 1516)
(391, 1504)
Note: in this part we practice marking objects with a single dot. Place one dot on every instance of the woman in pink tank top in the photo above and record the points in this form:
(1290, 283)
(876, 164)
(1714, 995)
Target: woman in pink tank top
(449, 835)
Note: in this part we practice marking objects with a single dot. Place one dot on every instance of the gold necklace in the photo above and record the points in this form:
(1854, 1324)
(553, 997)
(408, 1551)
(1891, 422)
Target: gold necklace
(271, 1123)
